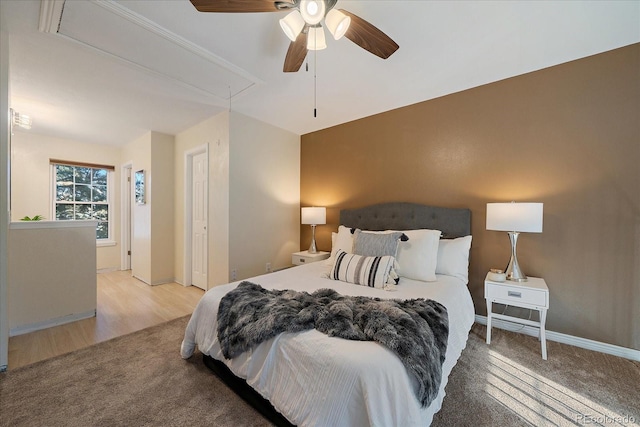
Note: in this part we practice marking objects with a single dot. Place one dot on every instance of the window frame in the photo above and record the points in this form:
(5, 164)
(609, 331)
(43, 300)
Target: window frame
(109, 241)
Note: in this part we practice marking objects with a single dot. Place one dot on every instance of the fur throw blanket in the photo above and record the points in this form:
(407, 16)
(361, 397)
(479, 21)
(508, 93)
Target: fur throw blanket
(415, 330)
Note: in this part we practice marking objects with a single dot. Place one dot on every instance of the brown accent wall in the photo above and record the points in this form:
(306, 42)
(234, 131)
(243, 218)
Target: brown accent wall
(567, 136)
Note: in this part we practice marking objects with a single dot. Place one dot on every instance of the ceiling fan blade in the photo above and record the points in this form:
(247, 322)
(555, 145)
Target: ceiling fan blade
(296, 54)
(236, 6)
(369, 37)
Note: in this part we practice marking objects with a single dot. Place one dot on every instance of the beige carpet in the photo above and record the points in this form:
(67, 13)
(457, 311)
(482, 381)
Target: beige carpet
(508, 384)
(140, 380)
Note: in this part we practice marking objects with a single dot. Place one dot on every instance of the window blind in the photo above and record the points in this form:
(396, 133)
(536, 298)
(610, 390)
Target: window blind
(80, 164)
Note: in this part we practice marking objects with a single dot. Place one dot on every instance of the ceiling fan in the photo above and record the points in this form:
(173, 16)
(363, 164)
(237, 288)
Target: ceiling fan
(303, 25)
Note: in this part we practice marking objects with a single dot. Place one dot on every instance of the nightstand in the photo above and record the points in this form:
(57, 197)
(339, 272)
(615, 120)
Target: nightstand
(304, 257)
(532, 294)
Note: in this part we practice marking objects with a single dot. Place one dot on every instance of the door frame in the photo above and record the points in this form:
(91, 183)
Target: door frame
(188, 210)
(126, 213)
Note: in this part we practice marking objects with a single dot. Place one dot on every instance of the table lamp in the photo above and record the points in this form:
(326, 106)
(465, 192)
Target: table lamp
(314, 216)
(514, 218)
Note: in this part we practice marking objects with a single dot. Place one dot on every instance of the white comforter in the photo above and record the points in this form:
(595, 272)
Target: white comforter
(317, 380)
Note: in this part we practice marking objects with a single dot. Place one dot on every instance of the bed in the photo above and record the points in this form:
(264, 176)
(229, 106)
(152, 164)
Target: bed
(311, 379)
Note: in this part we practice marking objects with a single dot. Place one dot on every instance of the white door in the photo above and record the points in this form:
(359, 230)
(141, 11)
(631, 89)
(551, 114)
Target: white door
(199, 179)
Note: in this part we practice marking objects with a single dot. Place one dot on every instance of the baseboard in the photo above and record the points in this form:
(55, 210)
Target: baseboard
(162, 282)
(107, 270)
(615, 350)
(25, 329)
(155, 282)
(141, 279)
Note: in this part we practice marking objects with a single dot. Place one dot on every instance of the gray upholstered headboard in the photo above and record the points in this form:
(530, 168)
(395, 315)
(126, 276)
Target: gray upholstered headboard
(453, 222)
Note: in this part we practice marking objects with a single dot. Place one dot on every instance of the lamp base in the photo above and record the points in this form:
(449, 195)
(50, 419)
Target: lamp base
(313, 249)
(513, 271)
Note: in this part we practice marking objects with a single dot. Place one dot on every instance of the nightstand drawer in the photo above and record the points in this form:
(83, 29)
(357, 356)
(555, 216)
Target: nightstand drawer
(304, 257)
(299, 260)
(517, 295)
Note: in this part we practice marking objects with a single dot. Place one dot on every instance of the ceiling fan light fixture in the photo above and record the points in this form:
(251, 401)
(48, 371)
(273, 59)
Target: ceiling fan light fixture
(315, 39)
(337, 23)
(312, 11)
(292, 25)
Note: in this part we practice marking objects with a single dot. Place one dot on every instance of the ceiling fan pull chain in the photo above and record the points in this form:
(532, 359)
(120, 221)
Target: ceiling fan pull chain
(315, 83)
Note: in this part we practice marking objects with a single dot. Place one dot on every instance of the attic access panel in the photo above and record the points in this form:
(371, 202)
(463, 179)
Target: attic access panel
(127, 36)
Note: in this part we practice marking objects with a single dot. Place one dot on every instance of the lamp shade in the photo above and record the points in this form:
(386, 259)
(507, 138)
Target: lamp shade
(314, 216)
(337, 23)
(521, 217)
(292, 25)
(315, 39)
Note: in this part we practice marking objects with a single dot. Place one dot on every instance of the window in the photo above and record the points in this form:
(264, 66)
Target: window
(82, 191)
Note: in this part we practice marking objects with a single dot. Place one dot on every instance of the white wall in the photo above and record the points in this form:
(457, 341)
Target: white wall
(4, 190)
(213, 132)
(31, 191)
(264, 196)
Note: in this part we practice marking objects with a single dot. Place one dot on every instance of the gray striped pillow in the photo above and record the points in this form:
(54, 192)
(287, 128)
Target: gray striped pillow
(376, 244)
(375, 272)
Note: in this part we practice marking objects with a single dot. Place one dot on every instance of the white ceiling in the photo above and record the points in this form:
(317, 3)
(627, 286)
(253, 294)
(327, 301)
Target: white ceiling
(118, 69)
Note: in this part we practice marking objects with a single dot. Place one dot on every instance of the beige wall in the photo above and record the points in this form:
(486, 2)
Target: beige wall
(264, 196)
(567, 136)
(152, 222)
(214, 133)
(254, 184)
(264, 208)
(160, 181)
(31, 192)
(138, 153)
(254, 175)
(61, 286)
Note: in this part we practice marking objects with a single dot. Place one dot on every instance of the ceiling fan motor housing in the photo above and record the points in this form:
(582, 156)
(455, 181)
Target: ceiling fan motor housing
(312, 11)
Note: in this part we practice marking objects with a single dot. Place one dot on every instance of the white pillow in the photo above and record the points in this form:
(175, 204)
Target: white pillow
(418, 256)
(343, 240)
(453, 257)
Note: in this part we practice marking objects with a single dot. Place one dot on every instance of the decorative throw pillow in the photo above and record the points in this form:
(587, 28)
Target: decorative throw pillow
(343, 240)
(376, 244)
(418, 256)
(375, 272)
(453, 257)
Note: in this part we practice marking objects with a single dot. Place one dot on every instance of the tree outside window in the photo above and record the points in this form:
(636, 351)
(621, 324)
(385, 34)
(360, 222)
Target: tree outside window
(82, 193)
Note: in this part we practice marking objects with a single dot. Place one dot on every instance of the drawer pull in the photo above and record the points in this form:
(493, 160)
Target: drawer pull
(514, 294)
(302, 260)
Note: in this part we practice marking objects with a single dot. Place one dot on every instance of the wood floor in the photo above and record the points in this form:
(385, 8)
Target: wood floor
(125, 305)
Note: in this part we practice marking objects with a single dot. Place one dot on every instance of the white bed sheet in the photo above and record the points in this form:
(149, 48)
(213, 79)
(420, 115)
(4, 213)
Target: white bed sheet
(317, 380)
